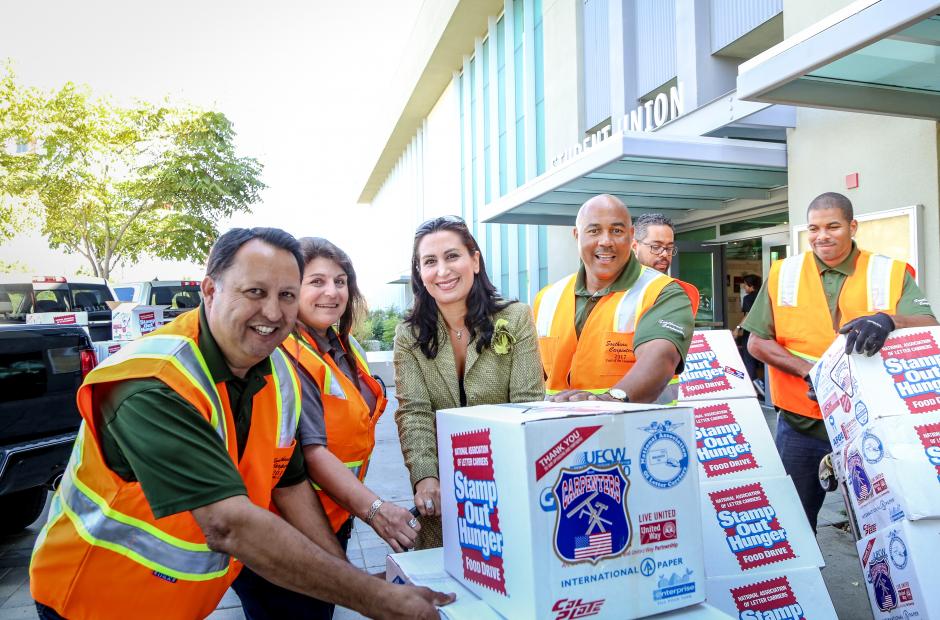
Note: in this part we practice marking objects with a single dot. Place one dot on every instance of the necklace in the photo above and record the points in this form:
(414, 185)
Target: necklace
(459, 333)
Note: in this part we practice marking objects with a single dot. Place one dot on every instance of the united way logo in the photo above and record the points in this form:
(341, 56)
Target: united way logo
(592, 522)
(664, 457)
(879, 575)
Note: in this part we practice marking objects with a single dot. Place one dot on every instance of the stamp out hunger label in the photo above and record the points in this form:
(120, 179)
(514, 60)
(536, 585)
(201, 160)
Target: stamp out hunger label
(481, 541)
(772, 598)
(720, 443)
(914, 362)
(929, 435)
(752, 531)
(703, 372)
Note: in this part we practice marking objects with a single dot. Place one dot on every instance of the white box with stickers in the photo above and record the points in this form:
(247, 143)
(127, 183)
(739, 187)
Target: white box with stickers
(757, 525)
(893, 471)
(130, 320)
(732, 440)
(545, 503)
(899, 564)
(855, 390)
(790, 594)
(713, 369)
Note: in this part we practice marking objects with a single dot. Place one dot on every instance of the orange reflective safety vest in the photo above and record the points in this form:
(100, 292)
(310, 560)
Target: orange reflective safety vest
(350, 426)
(692, 291)
(102, 553)
(802, 320)
(603, 353)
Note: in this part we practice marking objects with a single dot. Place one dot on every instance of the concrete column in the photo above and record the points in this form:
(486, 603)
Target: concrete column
(703, 77)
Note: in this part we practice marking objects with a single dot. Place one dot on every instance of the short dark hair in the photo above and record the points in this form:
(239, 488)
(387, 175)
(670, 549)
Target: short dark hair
(483, 301)
(754, 281)
(833, 200)
(226, 246)
(318, 247)
(642, 222)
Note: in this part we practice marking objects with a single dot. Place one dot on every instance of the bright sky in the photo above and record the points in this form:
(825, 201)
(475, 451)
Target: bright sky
(299, 78)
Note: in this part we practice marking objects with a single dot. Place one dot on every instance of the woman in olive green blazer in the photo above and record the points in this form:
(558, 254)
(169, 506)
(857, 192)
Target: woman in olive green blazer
(460, 345)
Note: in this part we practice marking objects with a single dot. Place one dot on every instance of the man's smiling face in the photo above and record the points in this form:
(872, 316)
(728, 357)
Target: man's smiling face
(605, 234)
(252, 306)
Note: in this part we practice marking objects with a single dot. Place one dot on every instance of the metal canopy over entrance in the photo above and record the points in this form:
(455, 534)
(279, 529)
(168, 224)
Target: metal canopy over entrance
(879, 56)
(648, 172)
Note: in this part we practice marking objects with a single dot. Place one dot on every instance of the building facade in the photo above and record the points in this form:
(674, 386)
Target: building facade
(512, 113)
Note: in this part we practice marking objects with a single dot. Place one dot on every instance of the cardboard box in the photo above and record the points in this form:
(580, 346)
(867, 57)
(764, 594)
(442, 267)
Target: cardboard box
(713, 369)
(732, 440)
(426, 568)
(57, 318)
(893, 470)
(130, 320)
(900, 568)
(855, 390)
(106, 348)
(754, 526)
(545, 503)
(799, 593)
(702, 611)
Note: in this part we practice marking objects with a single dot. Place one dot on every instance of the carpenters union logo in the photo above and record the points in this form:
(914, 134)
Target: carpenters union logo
(592, 521)
(664, 457)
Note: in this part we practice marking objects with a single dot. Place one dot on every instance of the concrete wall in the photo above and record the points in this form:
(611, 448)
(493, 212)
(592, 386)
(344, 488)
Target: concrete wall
(896, 158)
(563, 106)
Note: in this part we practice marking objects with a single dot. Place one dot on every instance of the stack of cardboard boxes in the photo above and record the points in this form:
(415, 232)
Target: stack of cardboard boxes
(762, 560)
(882, 414)
(129, 321)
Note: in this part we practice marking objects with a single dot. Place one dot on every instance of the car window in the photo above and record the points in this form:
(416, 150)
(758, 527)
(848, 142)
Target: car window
(51, 299)
(124, 293)
(90, 297)
(180, 296)
(15, 301)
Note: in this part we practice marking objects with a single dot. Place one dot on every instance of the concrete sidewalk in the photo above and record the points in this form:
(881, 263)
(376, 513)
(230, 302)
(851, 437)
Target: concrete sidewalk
(387, 477)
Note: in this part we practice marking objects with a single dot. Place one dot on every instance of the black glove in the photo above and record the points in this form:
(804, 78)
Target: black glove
(811, 392)
(867, 334)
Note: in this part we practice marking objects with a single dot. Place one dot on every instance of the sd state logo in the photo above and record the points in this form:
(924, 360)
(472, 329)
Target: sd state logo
(592, 521)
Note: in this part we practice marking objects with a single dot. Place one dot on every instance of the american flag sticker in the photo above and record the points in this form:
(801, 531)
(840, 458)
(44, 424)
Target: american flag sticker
(590, 547)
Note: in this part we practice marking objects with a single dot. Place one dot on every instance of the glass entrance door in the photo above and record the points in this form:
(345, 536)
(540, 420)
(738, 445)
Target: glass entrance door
(703, 265)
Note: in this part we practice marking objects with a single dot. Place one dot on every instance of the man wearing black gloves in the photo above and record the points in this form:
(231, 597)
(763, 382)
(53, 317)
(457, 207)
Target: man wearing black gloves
(806, 299)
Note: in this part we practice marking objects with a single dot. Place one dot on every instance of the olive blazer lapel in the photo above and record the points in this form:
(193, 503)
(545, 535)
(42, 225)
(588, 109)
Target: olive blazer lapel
(446, 365)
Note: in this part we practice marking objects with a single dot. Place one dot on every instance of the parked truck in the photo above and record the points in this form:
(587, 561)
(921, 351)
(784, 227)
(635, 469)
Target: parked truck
(41, 368)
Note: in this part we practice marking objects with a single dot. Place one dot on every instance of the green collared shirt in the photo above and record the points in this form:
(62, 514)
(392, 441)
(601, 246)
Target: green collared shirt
(760, 320)
(152, 435)
(670, 318)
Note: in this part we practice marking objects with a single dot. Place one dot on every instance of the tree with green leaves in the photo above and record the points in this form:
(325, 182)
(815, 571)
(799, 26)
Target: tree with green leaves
(17, 167)
(116, 183)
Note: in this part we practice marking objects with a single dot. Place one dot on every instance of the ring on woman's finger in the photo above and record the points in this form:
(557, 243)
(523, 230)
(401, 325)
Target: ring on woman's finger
(429, 504)
(413, 523)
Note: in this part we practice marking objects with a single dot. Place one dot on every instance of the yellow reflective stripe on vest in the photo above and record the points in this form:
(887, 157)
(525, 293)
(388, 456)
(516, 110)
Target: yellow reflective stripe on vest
(591, 390)
(184, 354)
(625, 315)
(788, 286)
(360, 354)
(354, 466)
(879, 282)
(804, 356)
(101, 526)
(287, 390)
(670, 394)
(331, 385)
(548, 305)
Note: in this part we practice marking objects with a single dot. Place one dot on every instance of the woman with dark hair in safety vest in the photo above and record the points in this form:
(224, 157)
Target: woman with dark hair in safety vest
(341, 404)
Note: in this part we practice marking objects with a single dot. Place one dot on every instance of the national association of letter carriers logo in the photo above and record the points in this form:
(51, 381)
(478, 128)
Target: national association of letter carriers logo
(592, 521)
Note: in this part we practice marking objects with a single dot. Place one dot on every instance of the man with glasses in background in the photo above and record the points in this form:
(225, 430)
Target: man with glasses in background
(654, 241)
